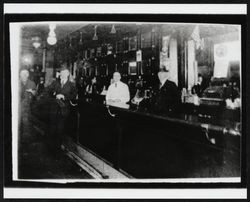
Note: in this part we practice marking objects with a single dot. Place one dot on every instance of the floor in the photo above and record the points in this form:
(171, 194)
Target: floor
(36, 161)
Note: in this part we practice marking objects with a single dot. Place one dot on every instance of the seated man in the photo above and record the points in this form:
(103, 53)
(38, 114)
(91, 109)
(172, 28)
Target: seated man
(199, 87)
(40, 86)
(167, 96)
(140, 91)
(92, 88)
(118, 92)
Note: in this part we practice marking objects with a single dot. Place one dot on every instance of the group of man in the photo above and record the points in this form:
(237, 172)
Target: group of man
(53, 103)
(58, 95)
(166, 96)
(63, 89)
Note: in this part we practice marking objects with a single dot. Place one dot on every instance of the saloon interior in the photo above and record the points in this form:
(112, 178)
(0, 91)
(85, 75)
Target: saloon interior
(132, 140)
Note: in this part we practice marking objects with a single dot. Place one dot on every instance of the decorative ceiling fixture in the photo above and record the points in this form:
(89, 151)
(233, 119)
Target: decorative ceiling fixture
(81, 39)
(52, 35)
(95, 37)
(199, 42)
(36, 42)
(70, 42)
(113, 30)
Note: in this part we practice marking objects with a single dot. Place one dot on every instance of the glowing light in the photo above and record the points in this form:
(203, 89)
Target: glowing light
(52, 35)
(27, 59)
(36, 42)
(51, 40)
(95, 37)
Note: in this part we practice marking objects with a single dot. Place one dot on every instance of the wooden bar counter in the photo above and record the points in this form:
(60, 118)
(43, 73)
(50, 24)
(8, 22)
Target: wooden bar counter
(185, 144)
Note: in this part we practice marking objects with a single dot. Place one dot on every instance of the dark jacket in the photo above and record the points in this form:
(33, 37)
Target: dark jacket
(198, 88)
(26, 98)
(40, 88)
(92, 89)
(167, 98)
(23, 87)
(68, 90)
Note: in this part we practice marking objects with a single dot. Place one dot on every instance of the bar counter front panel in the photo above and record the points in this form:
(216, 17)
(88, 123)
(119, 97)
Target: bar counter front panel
(146, 145)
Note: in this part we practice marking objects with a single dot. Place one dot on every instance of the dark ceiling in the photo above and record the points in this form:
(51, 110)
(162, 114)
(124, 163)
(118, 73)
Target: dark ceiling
(42, 30)
(72, 32)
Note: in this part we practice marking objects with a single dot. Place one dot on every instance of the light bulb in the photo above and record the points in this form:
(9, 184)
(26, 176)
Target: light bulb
(36, 44)
(27, 59)
(51, 40)
(52, 35)
(95, 37)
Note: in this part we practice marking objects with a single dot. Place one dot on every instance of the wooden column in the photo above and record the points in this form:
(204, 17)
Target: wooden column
(139, 63)
(181, 59)
(174, 60)
(44, 59)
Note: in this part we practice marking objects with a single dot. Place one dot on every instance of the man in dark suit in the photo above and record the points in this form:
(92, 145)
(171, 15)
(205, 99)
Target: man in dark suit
(27, 92)
(62, 89)
(166, 97)
(58, 96)
(92, 87)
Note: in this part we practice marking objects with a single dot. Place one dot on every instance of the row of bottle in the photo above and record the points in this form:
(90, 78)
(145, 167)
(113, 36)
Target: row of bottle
(188, 97)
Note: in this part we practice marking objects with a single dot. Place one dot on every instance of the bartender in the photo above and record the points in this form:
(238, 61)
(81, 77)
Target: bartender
(166, 97)
(118, 92)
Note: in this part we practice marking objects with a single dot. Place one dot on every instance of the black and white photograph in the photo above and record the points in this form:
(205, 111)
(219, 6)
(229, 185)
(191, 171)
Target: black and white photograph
(126, 101)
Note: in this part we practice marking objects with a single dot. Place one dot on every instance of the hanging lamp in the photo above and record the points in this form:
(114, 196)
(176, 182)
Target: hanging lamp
(113, 30)
(52, 35)
(95, 37)
(80, 39)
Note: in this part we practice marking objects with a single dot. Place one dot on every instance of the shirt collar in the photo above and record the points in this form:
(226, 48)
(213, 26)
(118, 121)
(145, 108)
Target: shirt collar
(117, 82)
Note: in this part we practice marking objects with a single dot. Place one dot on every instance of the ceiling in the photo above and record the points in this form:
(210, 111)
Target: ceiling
(42, 30)
(67, 31)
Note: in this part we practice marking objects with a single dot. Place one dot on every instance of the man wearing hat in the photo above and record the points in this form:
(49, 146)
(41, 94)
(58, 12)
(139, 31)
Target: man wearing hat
(167, 96)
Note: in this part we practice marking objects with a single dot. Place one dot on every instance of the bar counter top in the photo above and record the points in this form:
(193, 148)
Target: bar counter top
(222, 120)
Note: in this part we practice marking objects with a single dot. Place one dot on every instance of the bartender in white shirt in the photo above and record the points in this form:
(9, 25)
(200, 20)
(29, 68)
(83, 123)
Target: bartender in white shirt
(118, 91)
